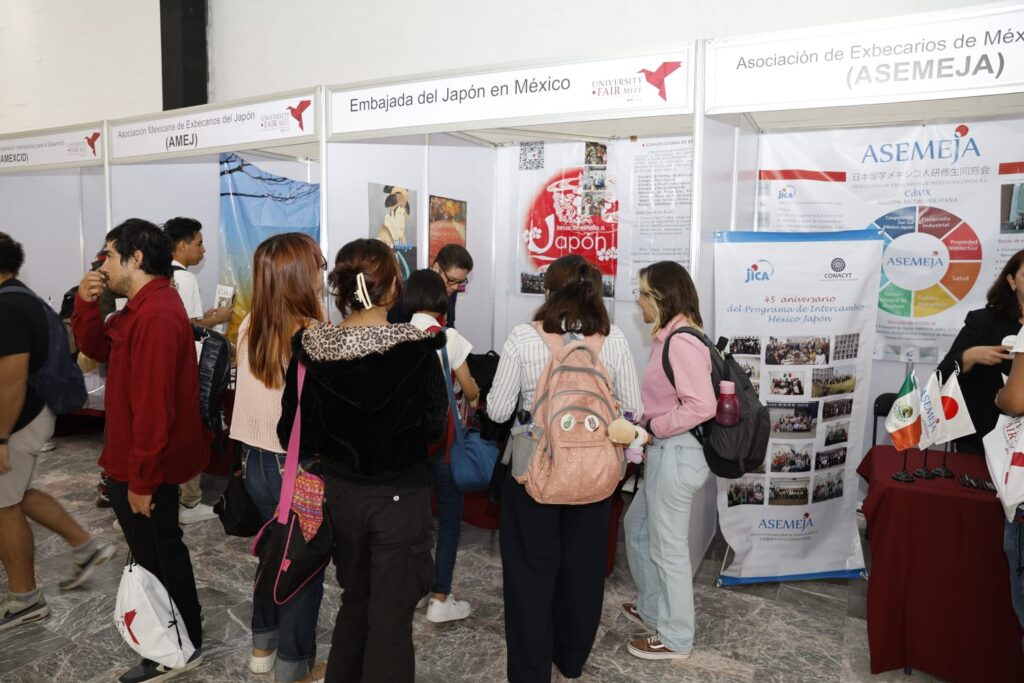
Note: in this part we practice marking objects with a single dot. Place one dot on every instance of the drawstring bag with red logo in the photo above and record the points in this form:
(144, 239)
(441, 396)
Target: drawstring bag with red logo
(1004, 455)
(147, 617)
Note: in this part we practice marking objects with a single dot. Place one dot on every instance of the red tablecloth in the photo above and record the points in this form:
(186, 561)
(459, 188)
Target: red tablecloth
(939, 592)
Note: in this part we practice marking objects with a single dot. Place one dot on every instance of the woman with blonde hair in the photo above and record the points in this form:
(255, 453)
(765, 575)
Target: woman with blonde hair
(657, 521)
(287, 281)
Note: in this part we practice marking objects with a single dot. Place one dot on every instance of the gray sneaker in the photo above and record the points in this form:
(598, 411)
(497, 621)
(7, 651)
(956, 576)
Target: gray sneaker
(16, 612)
(80, 573)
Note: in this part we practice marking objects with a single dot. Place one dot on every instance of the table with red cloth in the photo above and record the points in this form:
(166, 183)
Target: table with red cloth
(939, 588)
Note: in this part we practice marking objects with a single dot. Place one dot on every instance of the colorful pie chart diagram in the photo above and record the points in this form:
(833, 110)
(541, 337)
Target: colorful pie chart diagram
(931, 261)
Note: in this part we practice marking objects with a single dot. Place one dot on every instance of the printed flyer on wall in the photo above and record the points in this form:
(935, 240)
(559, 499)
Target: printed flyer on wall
(799, 310)
(949, 199)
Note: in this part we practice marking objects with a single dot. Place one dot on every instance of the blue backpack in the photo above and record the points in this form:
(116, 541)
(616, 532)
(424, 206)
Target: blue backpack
(59, 381)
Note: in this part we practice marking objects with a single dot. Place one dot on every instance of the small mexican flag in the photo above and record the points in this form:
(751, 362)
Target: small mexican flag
(904, 420)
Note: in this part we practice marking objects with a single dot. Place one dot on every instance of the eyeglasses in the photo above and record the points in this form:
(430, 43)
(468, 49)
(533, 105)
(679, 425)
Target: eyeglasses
(451, 282)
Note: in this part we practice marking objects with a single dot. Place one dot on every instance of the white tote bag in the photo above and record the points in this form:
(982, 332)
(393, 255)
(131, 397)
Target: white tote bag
(148, 619)
(1004, 455)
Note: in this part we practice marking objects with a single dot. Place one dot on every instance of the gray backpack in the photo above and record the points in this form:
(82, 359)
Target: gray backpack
(730, 452)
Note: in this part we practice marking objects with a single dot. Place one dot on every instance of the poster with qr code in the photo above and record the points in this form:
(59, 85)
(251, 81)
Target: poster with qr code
(567, 206)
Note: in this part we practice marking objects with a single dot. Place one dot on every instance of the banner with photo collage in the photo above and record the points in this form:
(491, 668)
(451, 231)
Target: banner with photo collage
(799, 311)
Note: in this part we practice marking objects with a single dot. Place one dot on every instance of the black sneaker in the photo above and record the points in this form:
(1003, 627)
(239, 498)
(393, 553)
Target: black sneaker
(148, 670)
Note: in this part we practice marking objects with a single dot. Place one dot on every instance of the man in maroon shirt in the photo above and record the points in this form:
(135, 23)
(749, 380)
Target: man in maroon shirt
(154, 436)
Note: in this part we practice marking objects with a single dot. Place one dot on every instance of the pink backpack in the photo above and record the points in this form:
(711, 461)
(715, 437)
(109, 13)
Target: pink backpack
(575, 462)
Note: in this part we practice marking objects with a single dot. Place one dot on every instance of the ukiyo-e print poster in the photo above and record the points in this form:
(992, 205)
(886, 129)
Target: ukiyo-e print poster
(799, 311)
(392, 220)
(948, 199)
(447, 224)
(565, 206)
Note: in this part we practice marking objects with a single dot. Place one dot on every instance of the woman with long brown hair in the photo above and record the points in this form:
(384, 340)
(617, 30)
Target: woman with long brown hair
(287, 280)
(553, 556)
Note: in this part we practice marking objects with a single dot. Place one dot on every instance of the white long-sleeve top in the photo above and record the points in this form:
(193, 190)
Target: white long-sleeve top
(525, 355)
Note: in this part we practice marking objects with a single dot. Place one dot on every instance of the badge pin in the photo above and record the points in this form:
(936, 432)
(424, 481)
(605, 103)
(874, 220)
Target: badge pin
(592, 423)
(568, 422)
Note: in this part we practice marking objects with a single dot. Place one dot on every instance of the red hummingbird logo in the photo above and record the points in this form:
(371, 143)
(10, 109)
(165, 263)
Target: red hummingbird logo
(92, 141)
(658, 76)
(297, 111)
(129, 617)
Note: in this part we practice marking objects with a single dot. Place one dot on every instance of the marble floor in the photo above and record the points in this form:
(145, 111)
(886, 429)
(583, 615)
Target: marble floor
(807, 631)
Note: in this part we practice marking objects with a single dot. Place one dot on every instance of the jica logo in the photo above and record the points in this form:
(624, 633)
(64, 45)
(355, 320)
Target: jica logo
(954, 148)
(800, 524)
(762, 271)
(787, 192)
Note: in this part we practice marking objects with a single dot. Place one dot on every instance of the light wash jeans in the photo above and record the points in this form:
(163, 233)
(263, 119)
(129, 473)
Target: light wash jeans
(657, 544)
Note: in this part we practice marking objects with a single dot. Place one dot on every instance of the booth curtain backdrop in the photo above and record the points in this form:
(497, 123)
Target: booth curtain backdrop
(254, 205)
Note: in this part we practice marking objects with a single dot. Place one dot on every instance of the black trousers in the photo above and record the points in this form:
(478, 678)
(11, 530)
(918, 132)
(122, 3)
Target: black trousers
(553, 561)
(382, 544)
(161, 533)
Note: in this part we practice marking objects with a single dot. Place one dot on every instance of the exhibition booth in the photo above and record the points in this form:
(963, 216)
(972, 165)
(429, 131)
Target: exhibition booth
(903, 132)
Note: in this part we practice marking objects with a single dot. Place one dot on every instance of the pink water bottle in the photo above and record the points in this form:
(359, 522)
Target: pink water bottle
(728, 412)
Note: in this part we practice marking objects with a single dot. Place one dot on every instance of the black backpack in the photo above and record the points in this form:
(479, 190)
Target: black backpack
(214, 375)
(731, 452)
(59, 381)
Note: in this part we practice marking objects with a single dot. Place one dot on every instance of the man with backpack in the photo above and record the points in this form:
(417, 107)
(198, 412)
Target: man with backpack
(155, 437)
(26, 422)
(187, 250)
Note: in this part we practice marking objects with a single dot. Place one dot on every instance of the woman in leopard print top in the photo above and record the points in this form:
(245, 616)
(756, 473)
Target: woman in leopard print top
(374, 398)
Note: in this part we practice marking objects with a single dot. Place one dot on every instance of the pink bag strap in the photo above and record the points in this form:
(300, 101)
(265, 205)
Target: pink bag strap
(291, 463)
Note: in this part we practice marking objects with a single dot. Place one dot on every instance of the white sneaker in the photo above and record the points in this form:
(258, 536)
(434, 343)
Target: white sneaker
(449, 610)
(262, 665)
(47, 447)
(424, 601)
(200, 513)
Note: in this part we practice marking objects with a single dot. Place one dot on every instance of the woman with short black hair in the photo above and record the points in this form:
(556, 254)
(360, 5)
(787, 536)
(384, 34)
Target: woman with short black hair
(553, 556)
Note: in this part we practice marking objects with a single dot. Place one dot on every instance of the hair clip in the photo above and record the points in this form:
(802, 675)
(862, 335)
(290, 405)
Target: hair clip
(362, 294)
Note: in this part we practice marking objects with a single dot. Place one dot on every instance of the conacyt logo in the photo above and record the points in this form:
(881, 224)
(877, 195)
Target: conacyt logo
(92, 141)
(953, 149)
(658, 76)
(838, 270)
(762, 271)
(298, 110)
(800, 524)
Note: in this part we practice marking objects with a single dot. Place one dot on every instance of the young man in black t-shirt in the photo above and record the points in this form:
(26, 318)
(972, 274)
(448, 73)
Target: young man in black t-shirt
(453, 263)
(25, 424)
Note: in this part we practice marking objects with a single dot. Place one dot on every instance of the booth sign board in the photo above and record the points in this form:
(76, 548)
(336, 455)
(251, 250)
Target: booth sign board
(639, 86)
(78, 147)
(922, 57)
(210, 129)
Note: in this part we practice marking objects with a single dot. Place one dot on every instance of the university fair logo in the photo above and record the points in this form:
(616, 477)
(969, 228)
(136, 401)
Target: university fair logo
(761, 271)
(657, 77)
(129, 617)
(91, 140)
(779, 524)
(958, 146)
(298, 110)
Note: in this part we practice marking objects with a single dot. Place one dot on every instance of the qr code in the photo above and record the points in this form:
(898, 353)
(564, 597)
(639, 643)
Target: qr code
(531, 156)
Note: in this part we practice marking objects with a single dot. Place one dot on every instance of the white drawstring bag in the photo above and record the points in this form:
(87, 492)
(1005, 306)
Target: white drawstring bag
(147, 618)
(1004, 455)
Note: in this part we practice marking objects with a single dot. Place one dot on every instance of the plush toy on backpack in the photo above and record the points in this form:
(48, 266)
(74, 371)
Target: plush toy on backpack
(633, 437)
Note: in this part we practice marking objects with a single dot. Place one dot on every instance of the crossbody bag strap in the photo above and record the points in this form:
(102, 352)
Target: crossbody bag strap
(451, 396)
(291, 463)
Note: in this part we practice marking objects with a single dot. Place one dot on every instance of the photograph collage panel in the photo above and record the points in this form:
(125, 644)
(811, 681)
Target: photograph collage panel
(747, 490)
(793, 420)
(593, 201)
(828, 486)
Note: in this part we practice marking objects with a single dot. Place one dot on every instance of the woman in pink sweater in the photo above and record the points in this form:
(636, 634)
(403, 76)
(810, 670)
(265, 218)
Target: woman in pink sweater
(657, 522)
(287, 279)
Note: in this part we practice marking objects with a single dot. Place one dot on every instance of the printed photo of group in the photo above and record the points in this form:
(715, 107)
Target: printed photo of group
(793, 420)
(828, 486)
(747, 490)
(788, 490)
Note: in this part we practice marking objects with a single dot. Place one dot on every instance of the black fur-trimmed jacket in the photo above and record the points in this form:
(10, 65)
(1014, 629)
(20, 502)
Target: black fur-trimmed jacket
(374, 398)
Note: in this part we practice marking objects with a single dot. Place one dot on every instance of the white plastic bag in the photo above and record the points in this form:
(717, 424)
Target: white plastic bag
(1004, 455)
(148, 619)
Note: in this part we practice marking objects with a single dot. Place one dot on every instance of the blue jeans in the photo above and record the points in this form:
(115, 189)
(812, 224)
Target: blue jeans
(290, 629)
(449, 526)
(1013, 546)
(657, 528)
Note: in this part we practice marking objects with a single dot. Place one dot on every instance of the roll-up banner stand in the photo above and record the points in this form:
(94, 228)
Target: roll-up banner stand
(651, 85)
(58, 148)
(929, 56)
(284, 120)
(799, 310)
